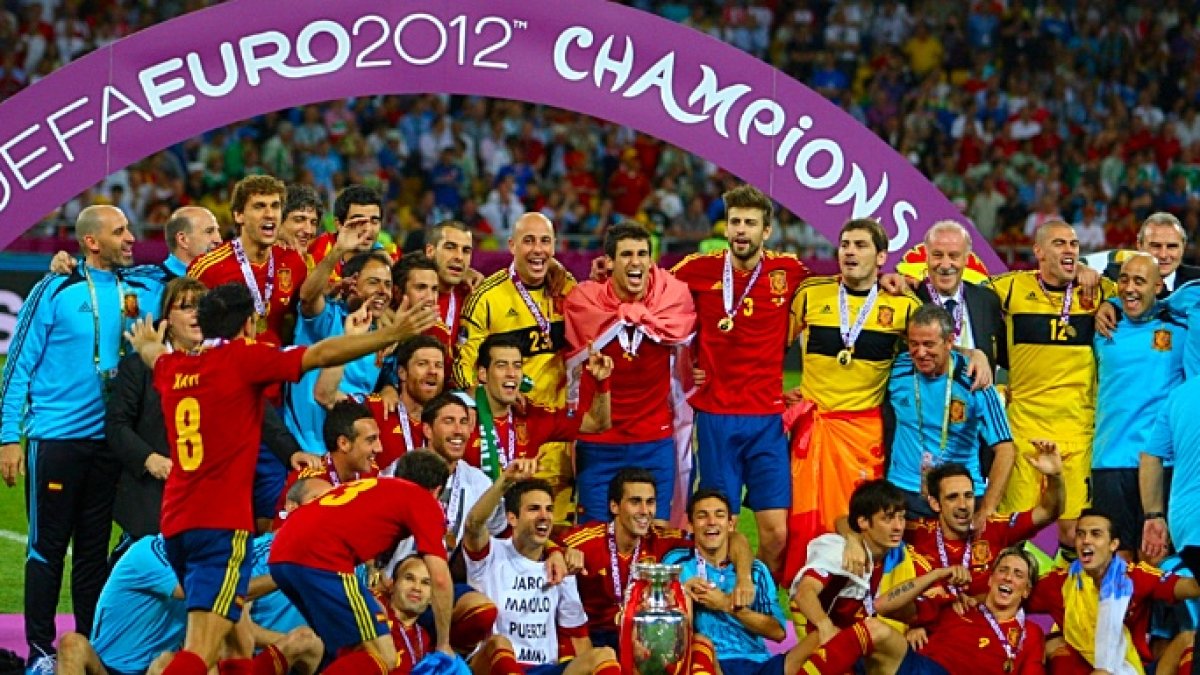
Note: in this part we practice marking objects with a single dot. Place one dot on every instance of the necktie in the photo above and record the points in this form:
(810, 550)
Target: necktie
(950, 306)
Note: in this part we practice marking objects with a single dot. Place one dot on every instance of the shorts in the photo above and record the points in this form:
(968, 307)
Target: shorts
(1118, 491)
(270, 480)
(1025, 483)
(748, 451)
(213, 567)
(913, 664)
(337, 605)
(597, 463)
(772, 666)
(547, 668)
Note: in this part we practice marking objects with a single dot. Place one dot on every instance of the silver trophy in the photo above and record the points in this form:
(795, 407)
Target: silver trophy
(662, 632)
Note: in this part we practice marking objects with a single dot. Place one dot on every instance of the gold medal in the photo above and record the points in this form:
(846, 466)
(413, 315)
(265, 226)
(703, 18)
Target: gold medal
(261, 324)
(1008, 665)
(725, 324)
(1070, 331)
(845, 358)
(450, 542)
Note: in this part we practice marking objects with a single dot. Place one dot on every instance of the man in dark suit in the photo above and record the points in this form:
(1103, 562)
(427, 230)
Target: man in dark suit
(1163, 237)
(978, 322)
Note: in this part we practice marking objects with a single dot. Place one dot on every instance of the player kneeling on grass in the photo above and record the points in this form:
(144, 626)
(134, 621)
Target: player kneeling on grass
(512, 572)
(141, 614)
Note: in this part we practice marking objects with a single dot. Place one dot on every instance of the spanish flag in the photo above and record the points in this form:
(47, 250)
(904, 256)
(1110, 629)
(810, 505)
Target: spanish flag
(1095, 618)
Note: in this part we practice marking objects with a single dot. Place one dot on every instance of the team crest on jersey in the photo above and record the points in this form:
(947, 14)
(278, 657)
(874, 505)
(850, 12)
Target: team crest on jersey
(981, 554)
(1014, 636)
(958, 411)
(1162, 340)
(885, 316)
(132, 310)
(285, 280)
(779, 282)
(522, 433)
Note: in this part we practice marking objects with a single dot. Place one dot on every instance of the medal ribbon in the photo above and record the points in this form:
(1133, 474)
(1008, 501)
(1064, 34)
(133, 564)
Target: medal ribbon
(850, 333)
(542, 322)
(1064, 313)
(630, 341)
(959, 306)
(454, 502)
(945, 439)
(451, 312)
(262, 301)
(405, 426)
(1009, 651)
(945, 558)
(413, 654)
(618, 590)
(727, 284)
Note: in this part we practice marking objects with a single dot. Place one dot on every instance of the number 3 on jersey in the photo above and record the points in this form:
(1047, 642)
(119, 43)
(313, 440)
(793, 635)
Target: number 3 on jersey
(188, 443)
(345, 494)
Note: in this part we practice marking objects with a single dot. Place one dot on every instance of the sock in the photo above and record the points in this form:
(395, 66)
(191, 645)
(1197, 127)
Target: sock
(357, 662)
(839, 654)
(271, 661)
(609, 667)
(235, 667)
(504, 662)
(472, 628)
(704, 661)
(186, 663)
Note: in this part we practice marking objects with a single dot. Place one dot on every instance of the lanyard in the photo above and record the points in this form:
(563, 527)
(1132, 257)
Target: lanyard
(945, 558)
(262, 300)
(405, 425)
(508, 452)
(451, 313)
(413, 654)
(959, 306)
(1064, 312)
(96, 322)
(454, 501)
(945, 410)
(542, 322)
(727, 284)
(850, 333)
(1010, 652)
(618, 590)
(630, 340)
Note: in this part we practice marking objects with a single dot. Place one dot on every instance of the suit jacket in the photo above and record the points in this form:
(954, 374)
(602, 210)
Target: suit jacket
(986, 319)
(1183, 274)
(134, 428)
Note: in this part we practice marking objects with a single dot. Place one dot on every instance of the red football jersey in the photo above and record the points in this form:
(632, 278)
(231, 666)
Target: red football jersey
(1149, 584)
(212, 403)
(360, 521)
(641, 395)
(412, 643)
(596, 588)
(446, 328)
(743, 367)
(391, 432)
(968, 644)
(844, 612)
(1000, 533)
(325, 471)
(538, 426)
(220, 266)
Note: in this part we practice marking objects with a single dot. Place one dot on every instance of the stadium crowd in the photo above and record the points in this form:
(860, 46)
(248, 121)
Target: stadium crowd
(341, 449)
(1019, 111)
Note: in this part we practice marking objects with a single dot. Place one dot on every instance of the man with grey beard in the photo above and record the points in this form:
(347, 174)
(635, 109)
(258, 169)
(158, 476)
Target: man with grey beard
(978, 321)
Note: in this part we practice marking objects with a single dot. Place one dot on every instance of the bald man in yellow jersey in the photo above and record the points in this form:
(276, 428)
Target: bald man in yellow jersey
(518, 301)
(1052, 372)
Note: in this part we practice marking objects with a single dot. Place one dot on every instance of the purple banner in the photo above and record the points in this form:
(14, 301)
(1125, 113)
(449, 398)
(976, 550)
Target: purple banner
(247, 57)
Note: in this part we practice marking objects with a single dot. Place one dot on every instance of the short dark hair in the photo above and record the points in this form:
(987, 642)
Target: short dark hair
(629, 474)
(1018, 550)
(404, 561)
(871, 227)
(872, 497)
(933, 480)
(620, 232)
(516, 492)
(409, 347)
(257, 184)
(302, 197)
(172, 229)
(363, 195)
(340, 422)
(1095, 512)
(435, 233)
(223, 311)
(932, 315)
(417, 260)
(749, 197)
(423, 467)
(433, 407)
(299, 489)
(484, 358)
(707, 493)
(356, 264)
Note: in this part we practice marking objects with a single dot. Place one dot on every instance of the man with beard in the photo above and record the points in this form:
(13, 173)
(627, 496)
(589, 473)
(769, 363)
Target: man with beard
(512, 573)
(1052, 373)
(302, 213)
(272, 272)
(322, 317)
(641, 318)
(1142, 360)
(57, 403)
(359, 208)
(742, 297)
(352, 441)
(1102, 603)
(978, 321)
(449, 245)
